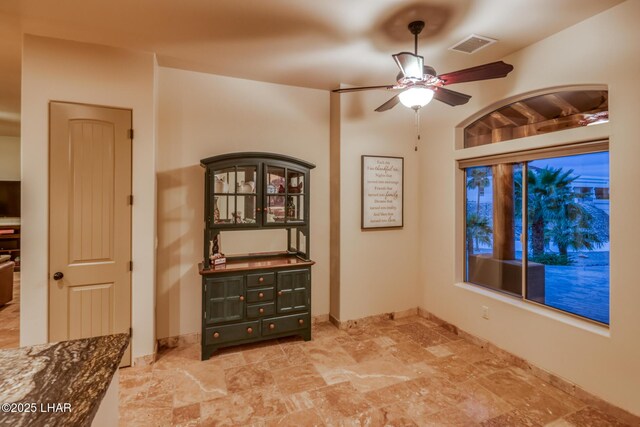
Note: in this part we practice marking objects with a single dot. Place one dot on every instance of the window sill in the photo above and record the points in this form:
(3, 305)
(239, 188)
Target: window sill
(547, 312)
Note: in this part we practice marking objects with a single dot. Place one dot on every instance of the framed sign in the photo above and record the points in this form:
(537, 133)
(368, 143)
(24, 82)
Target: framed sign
(382, 192)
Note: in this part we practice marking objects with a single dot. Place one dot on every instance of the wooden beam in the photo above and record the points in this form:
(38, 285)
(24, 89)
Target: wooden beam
(565, 106)
(532, 115)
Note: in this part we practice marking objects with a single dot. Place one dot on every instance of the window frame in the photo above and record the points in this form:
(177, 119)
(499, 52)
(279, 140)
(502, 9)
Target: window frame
(524, 156)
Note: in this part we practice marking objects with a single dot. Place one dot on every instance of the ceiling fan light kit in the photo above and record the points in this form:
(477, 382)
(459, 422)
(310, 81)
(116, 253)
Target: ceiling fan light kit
(416, 97)
(420, 83)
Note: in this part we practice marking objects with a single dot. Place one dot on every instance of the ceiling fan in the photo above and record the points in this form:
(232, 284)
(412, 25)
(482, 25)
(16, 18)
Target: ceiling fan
(419, 83)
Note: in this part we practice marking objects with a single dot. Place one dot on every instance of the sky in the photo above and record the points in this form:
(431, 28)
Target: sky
(586, 165)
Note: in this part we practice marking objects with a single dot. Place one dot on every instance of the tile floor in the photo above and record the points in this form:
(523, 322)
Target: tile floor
(10, 318)
(408, 372)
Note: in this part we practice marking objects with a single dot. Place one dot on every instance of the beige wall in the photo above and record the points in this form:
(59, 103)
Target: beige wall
(76, 72)
(9, 158)
(378, 268)
(202, 115)
(601, 50)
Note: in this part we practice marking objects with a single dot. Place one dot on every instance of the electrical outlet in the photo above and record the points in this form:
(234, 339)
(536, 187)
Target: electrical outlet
(485, 312)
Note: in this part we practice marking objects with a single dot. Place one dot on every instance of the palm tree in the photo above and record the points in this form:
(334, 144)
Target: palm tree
(572, 227)
(553, 213)
(478, 178)
(478, 230)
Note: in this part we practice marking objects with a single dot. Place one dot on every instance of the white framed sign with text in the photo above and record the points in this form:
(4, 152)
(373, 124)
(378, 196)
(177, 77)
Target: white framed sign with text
(382, 192)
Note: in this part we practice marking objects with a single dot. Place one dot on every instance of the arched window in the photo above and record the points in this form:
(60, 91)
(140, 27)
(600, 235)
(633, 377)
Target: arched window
(538, 115)
(536, 220)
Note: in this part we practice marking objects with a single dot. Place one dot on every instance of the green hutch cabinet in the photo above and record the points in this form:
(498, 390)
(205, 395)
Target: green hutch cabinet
(257, 296)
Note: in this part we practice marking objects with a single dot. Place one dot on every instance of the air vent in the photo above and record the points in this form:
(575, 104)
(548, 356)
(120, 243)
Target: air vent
(472, 43)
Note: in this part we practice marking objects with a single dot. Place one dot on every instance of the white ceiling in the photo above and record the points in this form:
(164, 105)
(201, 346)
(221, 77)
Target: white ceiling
(309, 43)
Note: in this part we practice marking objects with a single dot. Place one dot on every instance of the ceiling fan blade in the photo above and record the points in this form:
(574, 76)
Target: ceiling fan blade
(411, 65)
(358, 89)
(493, 70)
(450, 97)
(389, 104)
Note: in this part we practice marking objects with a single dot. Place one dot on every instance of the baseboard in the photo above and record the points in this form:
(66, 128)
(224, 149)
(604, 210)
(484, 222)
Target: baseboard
(320, 318)
(145, 360)
(178, 340)
(559, 382)
(364, 321)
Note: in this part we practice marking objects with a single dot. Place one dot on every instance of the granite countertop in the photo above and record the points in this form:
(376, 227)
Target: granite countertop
(41, 379)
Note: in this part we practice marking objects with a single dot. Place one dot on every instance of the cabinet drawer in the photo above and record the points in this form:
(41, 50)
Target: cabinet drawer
(264, 279)
(259, 295)
(278, 325)
(228, 333)
(260, 310)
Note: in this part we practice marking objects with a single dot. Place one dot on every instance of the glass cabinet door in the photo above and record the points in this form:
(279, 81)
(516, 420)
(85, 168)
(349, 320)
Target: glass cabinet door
(295, 196)
(234, 195)
(275, 195)
(284, 195)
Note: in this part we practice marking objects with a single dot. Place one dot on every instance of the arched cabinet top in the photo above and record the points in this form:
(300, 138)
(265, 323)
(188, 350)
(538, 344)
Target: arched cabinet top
(255, 155)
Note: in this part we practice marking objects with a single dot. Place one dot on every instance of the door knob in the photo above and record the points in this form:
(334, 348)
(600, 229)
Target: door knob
(57, 275)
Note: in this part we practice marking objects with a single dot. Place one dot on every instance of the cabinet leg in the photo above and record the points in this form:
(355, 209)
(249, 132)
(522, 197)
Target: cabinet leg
(206, 353)
(306, 335)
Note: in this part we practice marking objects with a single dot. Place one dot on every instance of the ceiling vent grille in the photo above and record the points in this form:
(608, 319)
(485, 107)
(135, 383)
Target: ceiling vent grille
(472, 44)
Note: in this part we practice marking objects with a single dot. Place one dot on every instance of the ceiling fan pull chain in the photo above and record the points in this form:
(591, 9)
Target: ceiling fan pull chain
(417, 110)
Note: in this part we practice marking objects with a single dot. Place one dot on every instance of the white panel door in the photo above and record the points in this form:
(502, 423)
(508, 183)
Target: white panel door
(89, 222)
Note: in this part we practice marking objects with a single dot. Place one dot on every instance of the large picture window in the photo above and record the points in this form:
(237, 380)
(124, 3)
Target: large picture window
(537, 227)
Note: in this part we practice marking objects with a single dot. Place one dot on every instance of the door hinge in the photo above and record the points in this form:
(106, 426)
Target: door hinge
(130, 199)
(130, 133)
(130, 265)
(130, 332)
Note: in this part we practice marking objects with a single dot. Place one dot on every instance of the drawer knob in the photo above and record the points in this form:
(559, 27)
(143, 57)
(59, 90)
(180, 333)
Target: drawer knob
(261, 279)
(216, 335)
(249, 330)
(301, 321)
(272, 325)
(261, 310)
(241, 297)
(261, 295)
(279, 293)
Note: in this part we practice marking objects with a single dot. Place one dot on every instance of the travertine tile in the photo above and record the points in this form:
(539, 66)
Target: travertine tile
(470, 353)
(389, 394)
(448, 417)
(592, 417)
(362, 351)
(479, 403)
(330, 354)
(307, 418)
(512, 419)
(339, 401)
(246, 408)
(248, 377)
(296, 379)
(262, 352)
(409, 352)
(403, 372)
(422, 334)
(454, 369)
(495, 364)
(186, 415)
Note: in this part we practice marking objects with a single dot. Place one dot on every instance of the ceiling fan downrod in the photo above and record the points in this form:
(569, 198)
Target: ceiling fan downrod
(415, 28)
